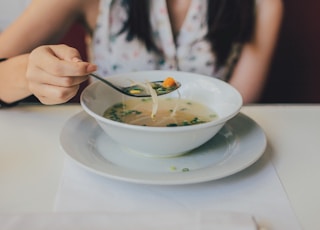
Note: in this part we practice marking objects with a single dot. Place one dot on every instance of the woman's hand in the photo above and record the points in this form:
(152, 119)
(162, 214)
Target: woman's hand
(55, 72)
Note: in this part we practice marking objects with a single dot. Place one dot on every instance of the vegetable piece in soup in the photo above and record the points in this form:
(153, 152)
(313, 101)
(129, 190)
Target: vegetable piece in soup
(171, 112)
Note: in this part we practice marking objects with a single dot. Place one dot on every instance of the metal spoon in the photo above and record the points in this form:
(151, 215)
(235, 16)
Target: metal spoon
(137, 90)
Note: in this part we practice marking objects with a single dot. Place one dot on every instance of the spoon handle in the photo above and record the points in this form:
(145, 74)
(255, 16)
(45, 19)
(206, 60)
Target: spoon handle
(105, 81)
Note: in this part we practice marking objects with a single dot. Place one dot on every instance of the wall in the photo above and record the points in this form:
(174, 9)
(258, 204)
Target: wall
(295, 74)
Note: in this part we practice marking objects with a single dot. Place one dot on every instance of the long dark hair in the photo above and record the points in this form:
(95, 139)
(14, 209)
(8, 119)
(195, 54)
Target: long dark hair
(229, 22)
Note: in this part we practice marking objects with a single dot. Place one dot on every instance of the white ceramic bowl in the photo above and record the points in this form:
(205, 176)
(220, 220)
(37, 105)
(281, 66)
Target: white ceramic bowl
(164, 141)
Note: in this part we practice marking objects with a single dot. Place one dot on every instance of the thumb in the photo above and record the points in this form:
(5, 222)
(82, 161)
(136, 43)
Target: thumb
(89, 67)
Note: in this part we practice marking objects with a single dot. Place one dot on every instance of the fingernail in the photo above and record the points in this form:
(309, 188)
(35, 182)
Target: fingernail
(91, 68)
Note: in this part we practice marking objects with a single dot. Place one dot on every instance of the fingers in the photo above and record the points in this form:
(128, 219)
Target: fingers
(50, 95)
(45, 77)
(55, 72)
(60, 60)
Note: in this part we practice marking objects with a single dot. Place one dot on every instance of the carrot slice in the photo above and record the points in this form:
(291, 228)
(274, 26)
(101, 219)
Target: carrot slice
(169, 82)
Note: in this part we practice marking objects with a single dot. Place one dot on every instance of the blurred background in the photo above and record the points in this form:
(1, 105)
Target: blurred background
(294, 76)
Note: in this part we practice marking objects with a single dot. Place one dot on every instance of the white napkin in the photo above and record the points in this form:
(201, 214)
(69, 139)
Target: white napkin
(129, 221)
(255, 191)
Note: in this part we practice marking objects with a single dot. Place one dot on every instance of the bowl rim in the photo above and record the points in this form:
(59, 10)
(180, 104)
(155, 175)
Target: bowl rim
(215, 122)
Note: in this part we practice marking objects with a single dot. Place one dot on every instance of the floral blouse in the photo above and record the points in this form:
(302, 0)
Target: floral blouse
(191, 52)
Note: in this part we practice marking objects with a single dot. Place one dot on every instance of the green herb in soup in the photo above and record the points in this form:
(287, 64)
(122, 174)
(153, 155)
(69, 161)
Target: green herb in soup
(159, 88)
(171, 112)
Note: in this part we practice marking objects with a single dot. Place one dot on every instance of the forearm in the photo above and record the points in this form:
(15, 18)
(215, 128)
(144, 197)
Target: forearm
(13, 83)
(250, 81)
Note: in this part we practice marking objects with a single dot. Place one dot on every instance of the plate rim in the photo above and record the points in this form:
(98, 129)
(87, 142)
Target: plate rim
(187, 178)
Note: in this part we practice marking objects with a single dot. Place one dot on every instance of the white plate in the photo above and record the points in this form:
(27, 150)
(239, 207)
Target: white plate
(240, 143)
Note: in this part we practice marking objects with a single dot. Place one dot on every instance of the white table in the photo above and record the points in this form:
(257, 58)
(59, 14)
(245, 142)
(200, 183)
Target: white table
(31, 159)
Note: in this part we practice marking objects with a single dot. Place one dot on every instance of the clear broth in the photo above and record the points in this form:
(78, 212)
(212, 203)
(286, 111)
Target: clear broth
(171, 112)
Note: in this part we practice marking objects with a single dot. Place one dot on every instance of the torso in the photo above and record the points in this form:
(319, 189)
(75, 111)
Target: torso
(177, 10)
(179, 27)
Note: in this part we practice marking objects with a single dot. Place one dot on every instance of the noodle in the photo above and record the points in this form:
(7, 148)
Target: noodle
(154, 98)
(148, 87)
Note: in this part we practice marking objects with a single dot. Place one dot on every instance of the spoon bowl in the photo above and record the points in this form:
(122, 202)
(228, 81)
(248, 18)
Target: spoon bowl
(138, 90)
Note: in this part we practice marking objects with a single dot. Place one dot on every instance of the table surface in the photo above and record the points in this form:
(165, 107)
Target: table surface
(31, 159)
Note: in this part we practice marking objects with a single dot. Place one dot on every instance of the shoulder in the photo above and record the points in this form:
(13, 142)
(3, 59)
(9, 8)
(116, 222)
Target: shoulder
(54, 8)
(270, 6)
(61, 3)
(269, 14)
(59, 11)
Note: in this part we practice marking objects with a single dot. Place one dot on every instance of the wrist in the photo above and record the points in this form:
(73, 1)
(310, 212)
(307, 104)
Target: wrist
(13, 89)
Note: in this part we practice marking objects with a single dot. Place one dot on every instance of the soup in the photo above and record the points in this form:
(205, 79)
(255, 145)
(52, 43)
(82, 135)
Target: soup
(170, 112)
